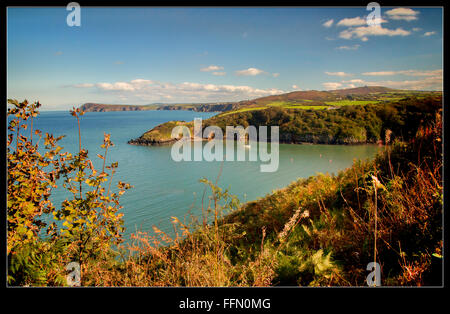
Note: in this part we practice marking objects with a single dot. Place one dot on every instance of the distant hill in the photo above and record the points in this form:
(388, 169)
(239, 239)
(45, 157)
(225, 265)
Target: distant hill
(292, 97)
(365, 90)
(320, 96)
(311, 99)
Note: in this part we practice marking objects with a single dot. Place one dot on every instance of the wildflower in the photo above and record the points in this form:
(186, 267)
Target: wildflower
(291, 223)
(377, 183)
(387, 137)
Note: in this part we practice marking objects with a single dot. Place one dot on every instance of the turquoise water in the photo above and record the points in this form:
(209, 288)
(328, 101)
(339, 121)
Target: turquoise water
(165, 188)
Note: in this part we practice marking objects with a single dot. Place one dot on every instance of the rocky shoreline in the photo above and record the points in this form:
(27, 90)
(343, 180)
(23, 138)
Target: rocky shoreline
(307, 139)
(144, 142)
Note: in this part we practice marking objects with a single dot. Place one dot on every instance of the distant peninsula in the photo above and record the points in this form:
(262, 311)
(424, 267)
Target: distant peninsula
(201, 107)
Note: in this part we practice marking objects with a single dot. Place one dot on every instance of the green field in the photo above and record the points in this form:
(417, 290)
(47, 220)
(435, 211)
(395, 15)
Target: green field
(287, 106)
(351, 102)
(306, 107)
(243, 110)
(278, 104)
(286, 103)
(387, 98)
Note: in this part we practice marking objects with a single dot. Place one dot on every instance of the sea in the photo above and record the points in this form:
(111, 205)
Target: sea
(164, 188)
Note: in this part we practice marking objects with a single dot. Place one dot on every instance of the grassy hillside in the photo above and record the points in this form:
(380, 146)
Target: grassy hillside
(331, 99)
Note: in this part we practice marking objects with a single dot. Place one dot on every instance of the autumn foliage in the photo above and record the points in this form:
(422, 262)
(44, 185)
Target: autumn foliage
(42, 237)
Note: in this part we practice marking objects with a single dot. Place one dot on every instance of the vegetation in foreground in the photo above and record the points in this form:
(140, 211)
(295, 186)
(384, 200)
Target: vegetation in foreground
(320, 231)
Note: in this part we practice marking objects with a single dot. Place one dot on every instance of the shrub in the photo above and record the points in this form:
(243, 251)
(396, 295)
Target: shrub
(90, 223)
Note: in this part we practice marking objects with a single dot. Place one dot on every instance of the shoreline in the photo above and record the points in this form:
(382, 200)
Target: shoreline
(139, 142)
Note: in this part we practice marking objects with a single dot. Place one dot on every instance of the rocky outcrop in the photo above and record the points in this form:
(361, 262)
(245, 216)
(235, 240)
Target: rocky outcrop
(145, 142)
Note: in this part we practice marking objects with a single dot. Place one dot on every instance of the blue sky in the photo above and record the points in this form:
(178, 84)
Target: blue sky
(147, 55)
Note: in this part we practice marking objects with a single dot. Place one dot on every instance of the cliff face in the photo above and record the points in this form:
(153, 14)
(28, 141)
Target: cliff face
(94, 107)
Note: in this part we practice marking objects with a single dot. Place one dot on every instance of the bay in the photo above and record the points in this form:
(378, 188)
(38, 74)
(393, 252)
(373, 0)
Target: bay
(164, 188)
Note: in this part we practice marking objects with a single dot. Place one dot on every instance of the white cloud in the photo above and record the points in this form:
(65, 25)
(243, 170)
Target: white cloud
(211, 68)
(358, 21)
(354, 47)
(405, 14)
(428, 80)
(328, 23)
(380, 73)
(405, 72)
(363, 32)
(219, 73)
(118, 86)
(355, 21)
(429, 33)
(427, 83)
(141, 81)
(332, 85)
(338, 73)
(275, 74)
(354, 81)
(249, 72)
(144, 91)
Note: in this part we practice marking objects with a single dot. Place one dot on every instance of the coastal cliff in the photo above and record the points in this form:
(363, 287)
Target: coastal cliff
(209, 107)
